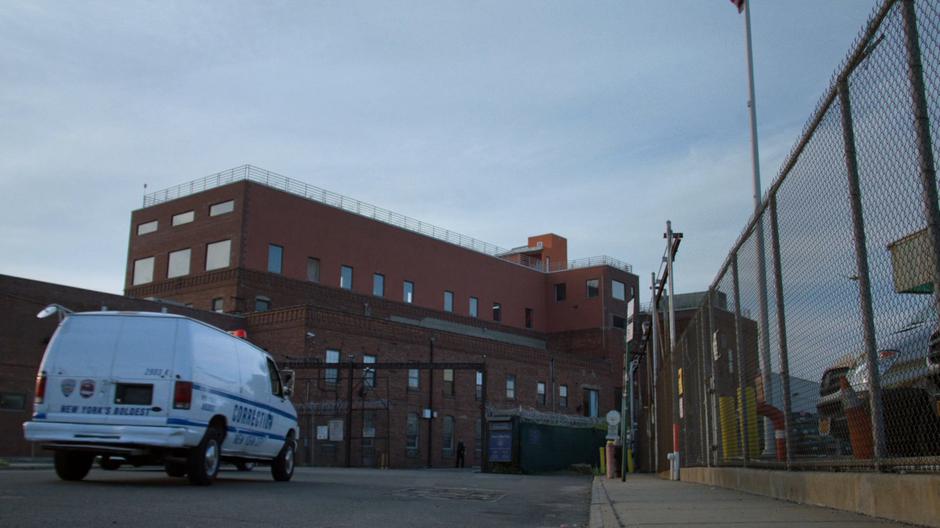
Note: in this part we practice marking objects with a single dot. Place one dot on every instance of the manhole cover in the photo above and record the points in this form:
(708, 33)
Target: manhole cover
(452, 493)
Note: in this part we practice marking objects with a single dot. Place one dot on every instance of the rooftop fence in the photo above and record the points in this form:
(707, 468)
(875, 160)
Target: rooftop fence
(351, 205)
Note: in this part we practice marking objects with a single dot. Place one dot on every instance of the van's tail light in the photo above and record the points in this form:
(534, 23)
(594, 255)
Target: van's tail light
(40, 387)
(183, 395)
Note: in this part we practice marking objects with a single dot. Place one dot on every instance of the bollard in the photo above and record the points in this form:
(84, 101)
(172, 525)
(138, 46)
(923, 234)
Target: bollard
(611, 458)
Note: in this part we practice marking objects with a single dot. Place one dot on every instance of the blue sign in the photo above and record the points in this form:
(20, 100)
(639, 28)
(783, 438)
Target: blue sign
(500, 448)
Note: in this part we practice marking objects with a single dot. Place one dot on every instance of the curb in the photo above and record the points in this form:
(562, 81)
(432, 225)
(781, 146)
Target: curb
(602, 511)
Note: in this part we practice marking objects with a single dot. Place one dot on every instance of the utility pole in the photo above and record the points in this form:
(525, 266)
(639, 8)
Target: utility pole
(654, 315)
(673, 363)
(626, 403)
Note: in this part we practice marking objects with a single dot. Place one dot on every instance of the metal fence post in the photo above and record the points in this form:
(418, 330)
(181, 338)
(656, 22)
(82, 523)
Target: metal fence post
(781, 327)
(928, 173)
(864, 279)
(739, 352)
(713, 430)
(703, 384)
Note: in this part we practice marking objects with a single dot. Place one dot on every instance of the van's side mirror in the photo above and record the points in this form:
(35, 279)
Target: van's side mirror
(287, 379)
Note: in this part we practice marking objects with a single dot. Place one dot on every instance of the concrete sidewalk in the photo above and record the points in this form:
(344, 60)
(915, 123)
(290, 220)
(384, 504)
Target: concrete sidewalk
(647, 500)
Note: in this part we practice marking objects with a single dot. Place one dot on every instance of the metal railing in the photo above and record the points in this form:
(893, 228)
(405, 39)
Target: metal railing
(842, 367)
(351, 205)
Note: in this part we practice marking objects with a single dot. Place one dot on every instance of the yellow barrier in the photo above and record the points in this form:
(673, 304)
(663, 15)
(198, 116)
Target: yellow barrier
(603, 451)
(753, 441)
(729, 428)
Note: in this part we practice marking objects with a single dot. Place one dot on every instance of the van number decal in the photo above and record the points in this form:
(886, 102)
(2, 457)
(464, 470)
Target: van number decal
(156, 372)
(252, 417)
(248, 440)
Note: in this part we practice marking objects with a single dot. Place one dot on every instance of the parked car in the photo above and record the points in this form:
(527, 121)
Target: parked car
(909, 363)
(147, 388)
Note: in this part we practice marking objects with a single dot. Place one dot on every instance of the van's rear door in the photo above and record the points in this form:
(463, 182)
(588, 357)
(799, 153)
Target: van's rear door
(142, 373)
(78, 369)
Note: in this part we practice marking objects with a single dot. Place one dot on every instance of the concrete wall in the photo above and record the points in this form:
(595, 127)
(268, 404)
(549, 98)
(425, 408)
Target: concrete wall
(906, 498)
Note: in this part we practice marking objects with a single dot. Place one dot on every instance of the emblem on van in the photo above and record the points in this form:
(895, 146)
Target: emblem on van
(87, 388)
(68, 387)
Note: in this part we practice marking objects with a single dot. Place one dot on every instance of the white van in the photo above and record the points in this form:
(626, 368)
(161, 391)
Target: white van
(151, 388)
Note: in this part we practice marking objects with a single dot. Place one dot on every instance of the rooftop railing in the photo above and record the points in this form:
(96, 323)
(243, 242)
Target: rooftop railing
(316, 194)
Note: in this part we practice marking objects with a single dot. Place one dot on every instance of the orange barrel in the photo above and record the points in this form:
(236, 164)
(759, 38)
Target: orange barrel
(859, 421)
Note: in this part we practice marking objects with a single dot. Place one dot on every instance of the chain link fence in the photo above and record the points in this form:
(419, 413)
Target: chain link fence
(817, 345)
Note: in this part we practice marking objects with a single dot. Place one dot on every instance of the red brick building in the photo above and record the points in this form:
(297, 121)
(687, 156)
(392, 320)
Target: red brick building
(329, 284)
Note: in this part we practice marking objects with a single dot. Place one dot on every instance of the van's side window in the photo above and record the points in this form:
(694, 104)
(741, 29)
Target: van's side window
(275, 379)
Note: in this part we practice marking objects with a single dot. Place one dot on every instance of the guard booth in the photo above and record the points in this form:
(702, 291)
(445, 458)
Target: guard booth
(502, 444)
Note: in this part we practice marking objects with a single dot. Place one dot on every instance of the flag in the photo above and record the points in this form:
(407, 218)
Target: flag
(739, 4)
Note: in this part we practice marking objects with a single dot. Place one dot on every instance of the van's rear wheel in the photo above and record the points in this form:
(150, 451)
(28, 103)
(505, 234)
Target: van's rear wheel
(71, 465)
(204, 459)
(282, 467)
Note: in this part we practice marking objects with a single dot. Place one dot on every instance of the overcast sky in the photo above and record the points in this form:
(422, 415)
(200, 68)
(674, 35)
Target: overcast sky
(597, 121)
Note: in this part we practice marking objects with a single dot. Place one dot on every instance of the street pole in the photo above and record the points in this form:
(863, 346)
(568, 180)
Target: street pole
(626, 403)
(654, 315)
(764, 343)
(673, 363)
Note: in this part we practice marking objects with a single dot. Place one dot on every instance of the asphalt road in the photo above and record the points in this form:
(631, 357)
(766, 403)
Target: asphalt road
(315, 497)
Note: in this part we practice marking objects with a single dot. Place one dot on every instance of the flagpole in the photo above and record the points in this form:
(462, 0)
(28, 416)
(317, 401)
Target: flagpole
(751, 104)
(769, 447)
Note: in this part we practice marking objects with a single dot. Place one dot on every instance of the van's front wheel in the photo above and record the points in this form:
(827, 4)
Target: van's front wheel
(282, 467)
(204, 459)
(71, 465)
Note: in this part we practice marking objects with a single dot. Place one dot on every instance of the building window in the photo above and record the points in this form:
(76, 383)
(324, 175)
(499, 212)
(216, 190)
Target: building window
(218, 305)
(218, 254)
(262, 304)
(540, 392)
(561, 291)
(593, 288)
(331, 375)
(345, 277)
(619, 322)
(479, 388)
(408, 292)
(143, 271)
(474, 304)
(275, 258)
(497, 312)
(591, 401)
(411, 432)
(510, 386)
(12, 401)
(313, 269)
(179, 263)
(183, 218)
(447, 441)
(448, 301)
(414, 379)
(147, 227)
(222, 208)
(618, 290)
(368, 424)
(449, 382)
(368, 374)
(378, 285)
(528, 317)
(562, 396)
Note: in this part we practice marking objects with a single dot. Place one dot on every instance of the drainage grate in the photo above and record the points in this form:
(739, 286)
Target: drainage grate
(452, 494)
